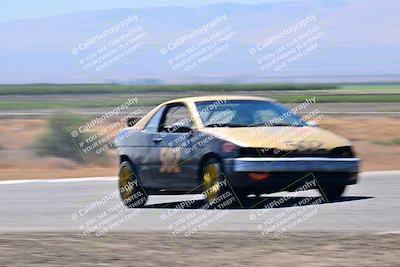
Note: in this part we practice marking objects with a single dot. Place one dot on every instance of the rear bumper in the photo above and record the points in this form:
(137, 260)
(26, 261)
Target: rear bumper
(313, 164)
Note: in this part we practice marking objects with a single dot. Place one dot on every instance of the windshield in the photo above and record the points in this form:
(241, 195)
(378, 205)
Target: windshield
(246, 113)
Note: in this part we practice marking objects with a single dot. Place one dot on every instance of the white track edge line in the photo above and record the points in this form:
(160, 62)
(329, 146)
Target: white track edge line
(60, 180)
(114, 178)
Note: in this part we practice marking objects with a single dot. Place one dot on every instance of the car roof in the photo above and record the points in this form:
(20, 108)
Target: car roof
(216, 98)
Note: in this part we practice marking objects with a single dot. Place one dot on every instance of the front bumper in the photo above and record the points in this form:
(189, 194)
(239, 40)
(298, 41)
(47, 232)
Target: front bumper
(311, 164)
(289, 171)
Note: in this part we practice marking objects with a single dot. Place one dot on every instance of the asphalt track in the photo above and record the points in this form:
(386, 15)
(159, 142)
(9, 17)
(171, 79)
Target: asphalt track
(372, 205)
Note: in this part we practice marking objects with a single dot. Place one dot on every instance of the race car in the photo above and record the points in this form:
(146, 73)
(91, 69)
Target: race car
(240, 145)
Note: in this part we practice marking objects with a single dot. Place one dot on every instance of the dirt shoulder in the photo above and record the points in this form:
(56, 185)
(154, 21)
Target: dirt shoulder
(211, 249)
(374, 139)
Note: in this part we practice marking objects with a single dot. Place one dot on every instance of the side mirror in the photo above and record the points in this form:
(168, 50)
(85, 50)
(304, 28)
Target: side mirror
(132, 121)
(184, 129)
(177, 129)
(312, 124)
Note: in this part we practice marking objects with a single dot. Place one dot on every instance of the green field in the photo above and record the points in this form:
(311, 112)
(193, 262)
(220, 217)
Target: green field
(67, 104)
(36, 89)
(37, 96)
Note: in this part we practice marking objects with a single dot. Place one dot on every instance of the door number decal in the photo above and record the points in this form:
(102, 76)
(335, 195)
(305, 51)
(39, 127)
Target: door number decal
(170, 160)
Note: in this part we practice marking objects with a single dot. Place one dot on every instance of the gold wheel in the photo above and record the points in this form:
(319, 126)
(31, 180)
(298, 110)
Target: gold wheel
(210, 181)
(125, 186)
(131, 191)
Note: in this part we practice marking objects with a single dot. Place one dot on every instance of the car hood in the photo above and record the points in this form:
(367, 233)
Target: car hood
(284, 138)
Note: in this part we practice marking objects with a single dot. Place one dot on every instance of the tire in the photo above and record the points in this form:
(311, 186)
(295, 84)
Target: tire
(131, 190)
(216, 187)
(332, 192)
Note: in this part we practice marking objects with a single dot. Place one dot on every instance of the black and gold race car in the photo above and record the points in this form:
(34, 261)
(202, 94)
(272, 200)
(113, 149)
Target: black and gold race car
(216, 144)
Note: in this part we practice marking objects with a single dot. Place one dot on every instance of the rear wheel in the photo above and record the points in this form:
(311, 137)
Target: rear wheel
(131, 191)
(332, 192)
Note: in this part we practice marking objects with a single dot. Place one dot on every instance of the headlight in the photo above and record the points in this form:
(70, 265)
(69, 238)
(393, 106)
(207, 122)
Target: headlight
(342, 152)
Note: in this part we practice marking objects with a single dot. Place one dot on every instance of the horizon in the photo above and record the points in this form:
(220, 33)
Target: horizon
(15, 13)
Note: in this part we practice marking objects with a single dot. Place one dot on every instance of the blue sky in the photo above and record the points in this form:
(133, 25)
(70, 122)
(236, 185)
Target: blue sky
(22, 9)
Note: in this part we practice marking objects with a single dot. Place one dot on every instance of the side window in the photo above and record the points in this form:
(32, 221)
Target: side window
(175, 117)
(153, 123)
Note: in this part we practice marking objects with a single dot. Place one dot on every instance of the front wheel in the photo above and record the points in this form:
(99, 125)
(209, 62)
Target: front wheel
(216, 187)
(131, 190)
(332, 192)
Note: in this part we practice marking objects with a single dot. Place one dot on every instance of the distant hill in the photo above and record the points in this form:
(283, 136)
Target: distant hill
(360, 38)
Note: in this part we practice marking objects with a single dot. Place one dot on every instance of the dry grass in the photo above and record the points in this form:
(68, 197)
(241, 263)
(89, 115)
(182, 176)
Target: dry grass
(18, 160)
(370, 136)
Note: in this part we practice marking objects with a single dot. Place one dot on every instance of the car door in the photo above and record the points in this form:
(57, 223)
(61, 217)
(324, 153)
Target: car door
(171, 154)
(149, 133)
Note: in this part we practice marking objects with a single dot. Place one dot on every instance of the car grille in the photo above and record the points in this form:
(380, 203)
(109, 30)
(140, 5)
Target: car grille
(338, 152)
